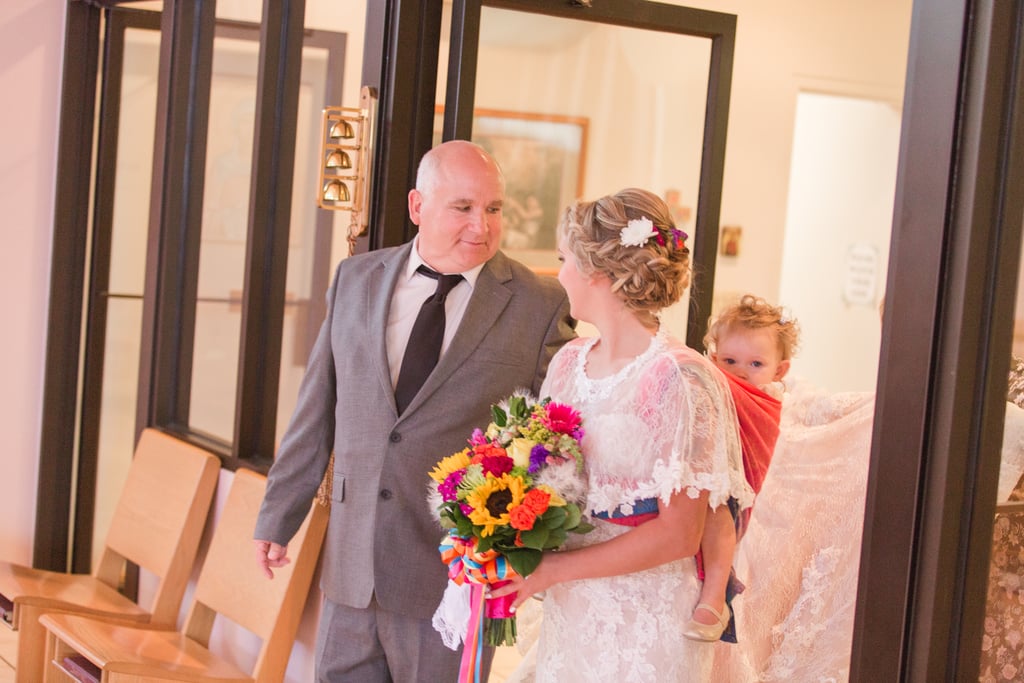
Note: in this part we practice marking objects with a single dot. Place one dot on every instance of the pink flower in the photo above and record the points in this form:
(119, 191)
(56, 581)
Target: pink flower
(561, 418)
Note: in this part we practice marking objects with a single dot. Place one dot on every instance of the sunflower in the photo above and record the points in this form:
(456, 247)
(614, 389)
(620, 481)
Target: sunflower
(453, 463)
(492, 500)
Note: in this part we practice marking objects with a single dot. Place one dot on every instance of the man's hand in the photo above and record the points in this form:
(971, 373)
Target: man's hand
(270, 556)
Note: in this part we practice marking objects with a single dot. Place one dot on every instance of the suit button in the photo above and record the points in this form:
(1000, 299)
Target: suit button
(385, 494)
(394, 437)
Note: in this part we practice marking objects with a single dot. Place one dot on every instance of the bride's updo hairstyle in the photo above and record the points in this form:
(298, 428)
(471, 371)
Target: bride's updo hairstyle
(630, 237)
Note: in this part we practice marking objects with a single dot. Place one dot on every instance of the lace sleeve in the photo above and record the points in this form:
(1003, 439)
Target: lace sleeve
(706, 440)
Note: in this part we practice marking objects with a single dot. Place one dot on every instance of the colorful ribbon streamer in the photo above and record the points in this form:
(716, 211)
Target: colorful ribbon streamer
(488, 568)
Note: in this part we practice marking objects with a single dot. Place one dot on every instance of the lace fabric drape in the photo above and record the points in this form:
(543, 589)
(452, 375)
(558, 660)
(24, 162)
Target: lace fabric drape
(800, 555)
(662, 425)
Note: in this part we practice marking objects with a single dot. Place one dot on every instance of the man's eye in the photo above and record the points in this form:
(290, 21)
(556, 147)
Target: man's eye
(494, 210)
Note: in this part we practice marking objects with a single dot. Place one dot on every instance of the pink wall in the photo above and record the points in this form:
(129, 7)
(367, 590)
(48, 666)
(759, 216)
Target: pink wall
(31, 44)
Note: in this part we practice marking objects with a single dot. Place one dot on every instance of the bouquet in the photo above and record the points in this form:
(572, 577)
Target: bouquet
(512, 493)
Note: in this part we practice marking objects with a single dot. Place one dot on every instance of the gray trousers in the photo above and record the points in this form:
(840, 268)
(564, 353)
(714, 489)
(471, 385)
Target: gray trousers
(376, 646)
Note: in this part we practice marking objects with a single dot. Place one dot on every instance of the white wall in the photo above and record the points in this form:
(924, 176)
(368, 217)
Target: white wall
(836, 244)
(782, 49)
(31, 49)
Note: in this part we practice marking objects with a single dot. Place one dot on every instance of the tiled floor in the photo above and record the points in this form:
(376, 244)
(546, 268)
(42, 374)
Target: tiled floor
(504, 663)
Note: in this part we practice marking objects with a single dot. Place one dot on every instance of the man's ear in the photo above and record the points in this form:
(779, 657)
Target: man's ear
(415, 205)
(781, 371)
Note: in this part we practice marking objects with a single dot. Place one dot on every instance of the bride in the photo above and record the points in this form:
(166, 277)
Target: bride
(661, 449)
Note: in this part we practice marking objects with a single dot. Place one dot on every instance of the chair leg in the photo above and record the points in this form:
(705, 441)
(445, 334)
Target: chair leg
(31, 646)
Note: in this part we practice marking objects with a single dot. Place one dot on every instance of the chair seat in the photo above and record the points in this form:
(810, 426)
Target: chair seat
(37, 587)
(126, 649)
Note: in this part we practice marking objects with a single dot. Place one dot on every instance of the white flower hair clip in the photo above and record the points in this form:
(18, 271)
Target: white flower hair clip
(637, 232)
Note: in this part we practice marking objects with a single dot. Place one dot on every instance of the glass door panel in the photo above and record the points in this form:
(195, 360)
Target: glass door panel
(122, 298)
(571, 109)
(1002, 646)
(225, 226)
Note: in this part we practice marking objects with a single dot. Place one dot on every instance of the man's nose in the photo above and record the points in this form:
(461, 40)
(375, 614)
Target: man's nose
(478, 220)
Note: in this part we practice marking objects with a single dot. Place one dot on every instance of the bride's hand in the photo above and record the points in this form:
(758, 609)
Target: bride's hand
(524, 586)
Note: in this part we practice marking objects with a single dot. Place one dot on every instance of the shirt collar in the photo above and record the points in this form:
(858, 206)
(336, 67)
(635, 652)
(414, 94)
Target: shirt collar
(415, 261)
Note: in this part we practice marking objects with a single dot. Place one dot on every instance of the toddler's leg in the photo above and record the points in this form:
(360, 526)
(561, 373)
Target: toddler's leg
(718, 546)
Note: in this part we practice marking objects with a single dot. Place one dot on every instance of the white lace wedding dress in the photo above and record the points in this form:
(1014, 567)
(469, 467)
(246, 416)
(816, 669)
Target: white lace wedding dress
(800, 555)
(663, 424)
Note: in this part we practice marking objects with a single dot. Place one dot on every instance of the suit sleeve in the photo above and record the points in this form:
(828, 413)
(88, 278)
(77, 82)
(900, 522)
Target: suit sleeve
(307, 443)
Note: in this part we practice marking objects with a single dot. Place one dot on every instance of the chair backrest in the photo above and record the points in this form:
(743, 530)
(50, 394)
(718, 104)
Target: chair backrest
(231, 584)
(160, 517)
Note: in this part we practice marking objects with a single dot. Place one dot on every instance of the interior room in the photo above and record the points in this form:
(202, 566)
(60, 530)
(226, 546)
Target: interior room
(809, 192)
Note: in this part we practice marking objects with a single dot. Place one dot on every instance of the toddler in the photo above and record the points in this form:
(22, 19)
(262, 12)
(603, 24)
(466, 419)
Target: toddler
(752, 342)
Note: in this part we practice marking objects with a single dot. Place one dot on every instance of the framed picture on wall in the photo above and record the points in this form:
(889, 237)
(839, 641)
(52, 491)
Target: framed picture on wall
(543, 157)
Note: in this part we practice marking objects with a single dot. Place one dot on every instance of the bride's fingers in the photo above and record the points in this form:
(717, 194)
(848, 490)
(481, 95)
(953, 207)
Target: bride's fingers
(512, 586)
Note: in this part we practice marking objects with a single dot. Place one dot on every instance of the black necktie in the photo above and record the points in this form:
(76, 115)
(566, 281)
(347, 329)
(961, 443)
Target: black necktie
(424, 347)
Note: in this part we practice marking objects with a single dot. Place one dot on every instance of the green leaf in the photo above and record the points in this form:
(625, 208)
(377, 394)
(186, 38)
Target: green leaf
(524, 560)
(583, 528)
(554, 517)
(517, 407)
(556, 539)
(500, 418)
(572, 516)
(485, 543)
(464, 526)
(535, 537)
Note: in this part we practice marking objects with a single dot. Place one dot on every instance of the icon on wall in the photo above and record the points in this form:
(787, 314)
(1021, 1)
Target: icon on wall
(680, 212)
(729, 245)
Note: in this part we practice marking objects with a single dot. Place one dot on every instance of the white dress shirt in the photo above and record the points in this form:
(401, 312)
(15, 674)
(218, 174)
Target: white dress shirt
(411, 291)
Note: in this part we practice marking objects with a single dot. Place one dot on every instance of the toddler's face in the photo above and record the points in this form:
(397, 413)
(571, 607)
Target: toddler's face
(752, 355)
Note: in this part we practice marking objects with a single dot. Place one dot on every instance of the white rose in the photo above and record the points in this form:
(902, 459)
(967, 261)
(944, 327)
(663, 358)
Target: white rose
(637, 232)
(519, 451)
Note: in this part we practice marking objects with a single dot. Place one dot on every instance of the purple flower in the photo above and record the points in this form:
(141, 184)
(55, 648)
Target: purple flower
(538, 456)
(449, 486)
(466, 508)
(477, 438)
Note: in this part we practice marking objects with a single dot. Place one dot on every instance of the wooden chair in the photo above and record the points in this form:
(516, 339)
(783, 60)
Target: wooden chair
(230, 586)
(157, 524)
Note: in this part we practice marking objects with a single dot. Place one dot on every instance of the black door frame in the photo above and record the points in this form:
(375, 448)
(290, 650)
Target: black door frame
(945, 346)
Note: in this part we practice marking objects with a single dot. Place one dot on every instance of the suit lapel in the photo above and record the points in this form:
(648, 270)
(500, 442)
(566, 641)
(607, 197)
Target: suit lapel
(380, 289)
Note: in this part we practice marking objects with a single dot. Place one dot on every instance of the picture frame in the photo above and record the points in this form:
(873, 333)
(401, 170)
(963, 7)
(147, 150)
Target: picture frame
(543, 157)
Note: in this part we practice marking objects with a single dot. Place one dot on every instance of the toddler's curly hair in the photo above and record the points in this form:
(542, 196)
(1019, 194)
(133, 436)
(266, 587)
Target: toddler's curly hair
(754, 313)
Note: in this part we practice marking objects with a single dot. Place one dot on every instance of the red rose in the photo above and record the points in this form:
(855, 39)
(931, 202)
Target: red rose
(485, 450)
(496, 465)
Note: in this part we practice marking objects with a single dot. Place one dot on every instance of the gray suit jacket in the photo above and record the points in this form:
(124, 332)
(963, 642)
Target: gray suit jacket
(382, 538)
